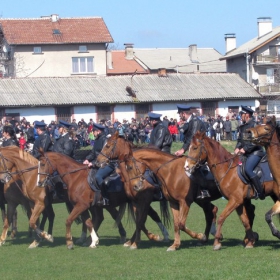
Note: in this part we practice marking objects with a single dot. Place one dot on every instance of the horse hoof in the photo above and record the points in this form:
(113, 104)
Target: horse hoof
(70, 247)
(34, 244)
(171, 249)
(158, 238)
(92, 246)
(133, 247)
(249, 246)
(127, 244)
(217, 247)
(2, 242)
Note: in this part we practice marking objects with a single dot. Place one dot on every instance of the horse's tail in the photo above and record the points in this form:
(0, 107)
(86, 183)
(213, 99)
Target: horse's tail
(165, 214)
(69, 208)
(122, 209)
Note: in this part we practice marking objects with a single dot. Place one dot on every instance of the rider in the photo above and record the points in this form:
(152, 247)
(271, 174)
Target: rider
(191, 126)
(9, 136)
(43, 141)
(252, 152)
(160, 135)
(64, 144)
(103, 172)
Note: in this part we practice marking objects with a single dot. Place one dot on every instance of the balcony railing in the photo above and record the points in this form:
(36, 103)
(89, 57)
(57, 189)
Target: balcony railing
(269, 89)
(267, 59)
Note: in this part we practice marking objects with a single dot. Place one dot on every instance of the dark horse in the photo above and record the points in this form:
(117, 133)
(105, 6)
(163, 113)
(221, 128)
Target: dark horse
(178, 189)
(80, 194)
(267, 135)
(224, 165)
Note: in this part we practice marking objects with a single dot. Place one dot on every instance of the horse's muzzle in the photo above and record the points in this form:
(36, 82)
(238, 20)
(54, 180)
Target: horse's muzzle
(6, 178)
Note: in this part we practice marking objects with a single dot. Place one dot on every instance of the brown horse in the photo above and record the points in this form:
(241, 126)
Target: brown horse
(176, 186)
(80, 194)
(267, 135)
(224, 165)
(26, 166)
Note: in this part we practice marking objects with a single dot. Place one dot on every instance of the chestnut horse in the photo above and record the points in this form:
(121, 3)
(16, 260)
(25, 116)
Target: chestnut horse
(267, 135)
(224, 165)
(15, 162)
(178, 189)
(80, 194)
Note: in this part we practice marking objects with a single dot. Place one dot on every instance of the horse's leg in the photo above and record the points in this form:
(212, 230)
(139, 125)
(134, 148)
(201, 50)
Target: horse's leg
(250, 210)
(210, 212)
(268, 217)
(37, 210)
(155, 217)
(114, 214)
(11, 208)
(50, 215)
(175, 212)
(80, 208)
(230, 207)
(14, 225)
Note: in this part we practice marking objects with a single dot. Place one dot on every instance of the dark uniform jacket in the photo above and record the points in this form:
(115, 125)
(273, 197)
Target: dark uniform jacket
(44, 142)
(248, 146)
(64, 145)
(161, 137)
(190, 128)
(9, 142)
(99, 143)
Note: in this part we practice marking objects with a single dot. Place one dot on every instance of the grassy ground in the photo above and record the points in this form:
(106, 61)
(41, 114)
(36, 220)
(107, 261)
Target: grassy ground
(151, 261)
(110, 260)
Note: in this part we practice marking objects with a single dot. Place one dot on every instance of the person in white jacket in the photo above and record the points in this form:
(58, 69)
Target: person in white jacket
(218, 126)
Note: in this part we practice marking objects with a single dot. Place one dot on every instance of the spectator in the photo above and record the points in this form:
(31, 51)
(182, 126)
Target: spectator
(234, 127)
(173, 130)
(218, 126)
(227, 129)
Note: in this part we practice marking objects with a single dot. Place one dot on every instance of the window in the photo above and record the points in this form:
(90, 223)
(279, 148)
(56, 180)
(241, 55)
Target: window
(37, 50)
(82, 65)
(104, 112)
(142, 110)
(83, 49)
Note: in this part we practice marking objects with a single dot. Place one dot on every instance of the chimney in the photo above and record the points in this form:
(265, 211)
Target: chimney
(109, 60)
(55, 17)
(193, 53)
(129, 54)
(264, 25)
(230, 39)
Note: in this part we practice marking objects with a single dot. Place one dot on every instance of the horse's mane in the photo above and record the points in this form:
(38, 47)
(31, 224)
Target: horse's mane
(22, 154)
(66, 157)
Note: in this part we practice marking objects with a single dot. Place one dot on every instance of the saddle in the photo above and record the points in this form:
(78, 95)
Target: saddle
(262, 170)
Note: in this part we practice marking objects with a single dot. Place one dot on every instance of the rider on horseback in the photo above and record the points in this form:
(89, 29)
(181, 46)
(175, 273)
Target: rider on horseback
(103, 172)
(191, 126)
(252, 152)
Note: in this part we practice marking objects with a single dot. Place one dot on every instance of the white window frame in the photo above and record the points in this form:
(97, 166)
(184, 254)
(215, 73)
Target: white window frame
(83, 65)
(37, 49)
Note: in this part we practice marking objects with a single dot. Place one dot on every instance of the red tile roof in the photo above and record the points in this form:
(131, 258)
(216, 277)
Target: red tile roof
(40, 31)
(121, 65)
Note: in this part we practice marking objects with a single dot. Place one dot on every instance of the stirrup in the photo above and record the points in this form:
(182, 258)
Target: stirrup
(103, 202)
(204, 194)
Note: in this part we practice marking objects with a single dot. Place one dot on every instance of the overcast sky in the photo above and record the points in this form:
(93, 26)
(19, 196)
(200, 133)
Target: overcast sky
(160, 23)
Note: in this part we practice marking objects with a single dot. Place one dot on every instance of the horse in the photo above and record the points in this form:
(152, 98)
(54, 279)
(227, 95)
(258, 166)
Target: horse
(223, 166)
(178, 189)
(80, 194)
(26, 168)
(267, 134)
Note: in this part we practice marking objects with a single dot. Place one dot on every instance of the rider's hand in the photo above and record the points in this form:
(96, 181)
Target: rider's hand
(242, 151)
(236, 151)
(179, 152)
(90, 164)
(86, 162)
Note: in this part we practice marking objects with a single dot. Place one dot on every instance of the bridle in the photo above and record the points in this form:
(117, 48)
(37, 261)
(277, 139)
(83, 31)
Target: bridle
(265, 139)
(109, 156)
(198, 162)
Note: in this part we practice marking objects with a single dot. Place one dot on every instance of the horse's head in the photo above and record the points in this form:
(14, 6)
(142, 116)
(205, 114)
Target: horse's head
(7, 167)
(115, 148)
(197, 153)
(262, 133)
(45, 168)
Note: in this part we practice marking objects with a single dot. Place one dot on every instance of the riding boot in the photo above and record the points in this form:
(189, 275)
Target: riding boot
(104, 193)
(258, 186)
(203, 194)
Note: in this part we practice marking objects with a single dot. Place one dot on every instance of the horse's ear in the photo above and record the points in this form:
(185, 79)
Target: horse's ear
(116, 134)
(41, 152)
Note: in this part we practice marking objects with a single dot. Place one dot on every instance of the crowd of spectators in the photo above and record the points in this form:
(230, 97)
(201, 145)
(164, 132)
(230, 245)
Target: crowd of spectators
(137, 131)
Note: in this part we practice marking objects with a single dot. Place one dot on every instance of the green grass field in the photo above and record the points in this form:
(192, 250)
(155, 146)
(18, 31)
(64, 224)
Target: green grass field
(110, 260)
